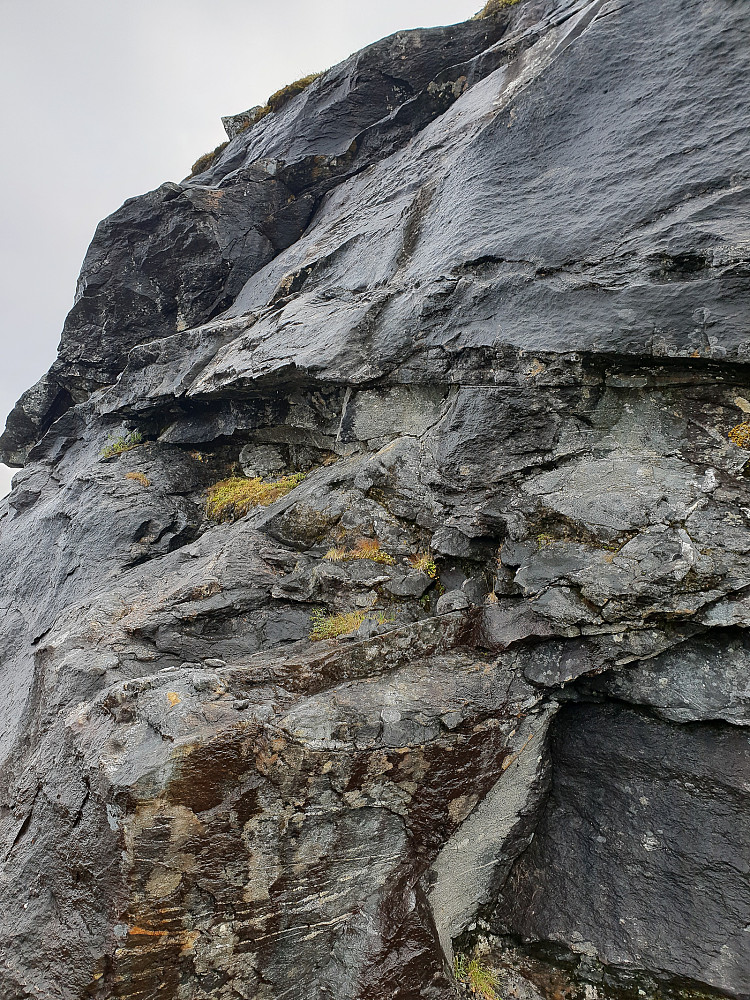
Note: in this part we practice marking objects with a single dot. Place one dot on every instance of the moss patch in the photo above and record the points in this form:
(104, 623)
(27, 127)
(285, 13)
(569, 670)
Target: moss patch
(493, 7)
(233, 498)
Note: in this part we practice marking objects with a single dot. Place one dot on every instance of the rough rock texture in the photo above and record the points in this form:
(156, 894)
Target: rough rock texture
(488, 286)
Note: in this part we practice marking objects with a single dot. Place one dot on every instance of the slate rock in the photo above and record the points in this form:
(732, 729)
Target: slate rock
(487, 286)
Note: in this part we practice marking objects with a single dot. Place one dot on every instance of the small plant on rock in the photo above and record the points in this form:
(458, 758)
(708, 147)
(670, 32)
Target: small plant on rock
(543, 539)
(366, 548)
(207, 160)
(482, 982)
(138, 477)
(332, 626)
(281, 97)
(233, 498)
(424, 562)
(121, 444)
(325, 626)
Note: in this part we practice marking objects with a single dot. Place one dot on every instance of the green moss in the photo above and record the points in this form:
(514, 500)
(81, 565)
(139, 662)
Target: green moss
(493, 7)
(232, 498)
(205, 161)
(121, 444)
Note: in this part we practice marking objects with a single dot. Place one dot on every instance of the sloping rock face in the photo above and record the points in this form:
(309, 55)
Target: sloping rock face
(488, 287)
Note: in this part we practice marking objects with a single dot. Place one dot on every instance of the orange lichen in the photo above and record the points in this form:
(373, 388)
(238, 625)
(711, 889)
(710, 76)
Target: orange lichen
(740, 435)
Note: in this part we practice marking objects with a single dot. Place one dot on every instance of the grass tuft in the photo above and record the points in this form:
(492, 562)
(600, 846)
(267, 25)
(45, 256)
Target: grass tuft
(424, 562)
(205, 161)
(482, 982)
(366, 548)
(121, 444)
(233, 498)
(283, 96)
(326, 626)
(138, 477)
(493, 7)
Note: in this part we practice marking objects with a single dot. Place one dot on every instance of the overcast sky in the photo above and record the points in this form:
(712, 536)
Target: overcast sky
(105, 99)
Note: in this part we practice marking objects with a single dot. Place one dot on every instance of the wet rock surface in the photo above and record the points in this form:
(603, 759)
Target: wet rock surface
(476, 685)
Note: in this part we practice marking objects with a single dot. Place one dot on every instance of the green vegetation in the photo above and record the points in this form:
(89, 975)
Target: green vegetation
(121, 444)
(283, 96)
(274, 103)
(332, 626)
(482, 981)
(233, 498)
(138, 477)
(205, 161)
(424, 562)
(740, 435)
(544, 539)
(366, 548)
(277, 101)
(493, 7)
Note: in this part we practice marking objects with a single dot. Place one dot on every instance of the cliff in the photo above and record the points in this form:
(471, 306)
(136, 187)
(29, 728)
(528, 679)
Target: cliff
(449, 672)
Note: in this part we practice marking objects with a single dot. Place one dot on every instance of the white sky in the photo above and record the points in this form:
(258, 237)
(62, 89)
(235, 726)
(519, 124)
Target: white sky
(105, 99)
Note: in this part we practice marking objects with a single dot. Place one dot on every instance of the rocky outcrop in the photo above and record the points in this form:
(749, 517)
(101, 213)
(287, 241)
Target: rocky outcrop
(487, 288)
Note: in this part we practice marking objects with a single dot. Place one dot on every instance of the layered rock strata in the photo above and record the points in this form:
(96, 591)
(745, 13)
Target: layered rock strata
(488, 288)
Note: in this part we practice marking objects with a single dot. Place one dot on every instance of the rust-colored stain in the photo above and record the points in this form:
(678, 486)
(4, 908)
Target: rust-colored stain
(173, 698)
(145, 930)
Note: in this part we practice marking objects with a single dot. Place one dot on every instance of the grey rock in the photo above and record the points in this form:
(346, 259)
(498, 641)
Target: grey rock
(631, 793)
(453, 600)
(412, 584)
(486, 286)
(235, 124)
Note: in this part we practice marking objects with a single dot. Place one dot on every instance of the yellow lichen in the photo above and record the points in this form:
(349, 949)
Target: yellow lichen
(740, 435)
(482, 982)
(233, 498)
(366, 548)
(138, 477)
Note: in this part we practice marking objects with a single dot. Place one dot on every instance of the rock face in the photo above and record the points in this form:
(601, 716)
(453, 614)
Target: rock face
(488, 287)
